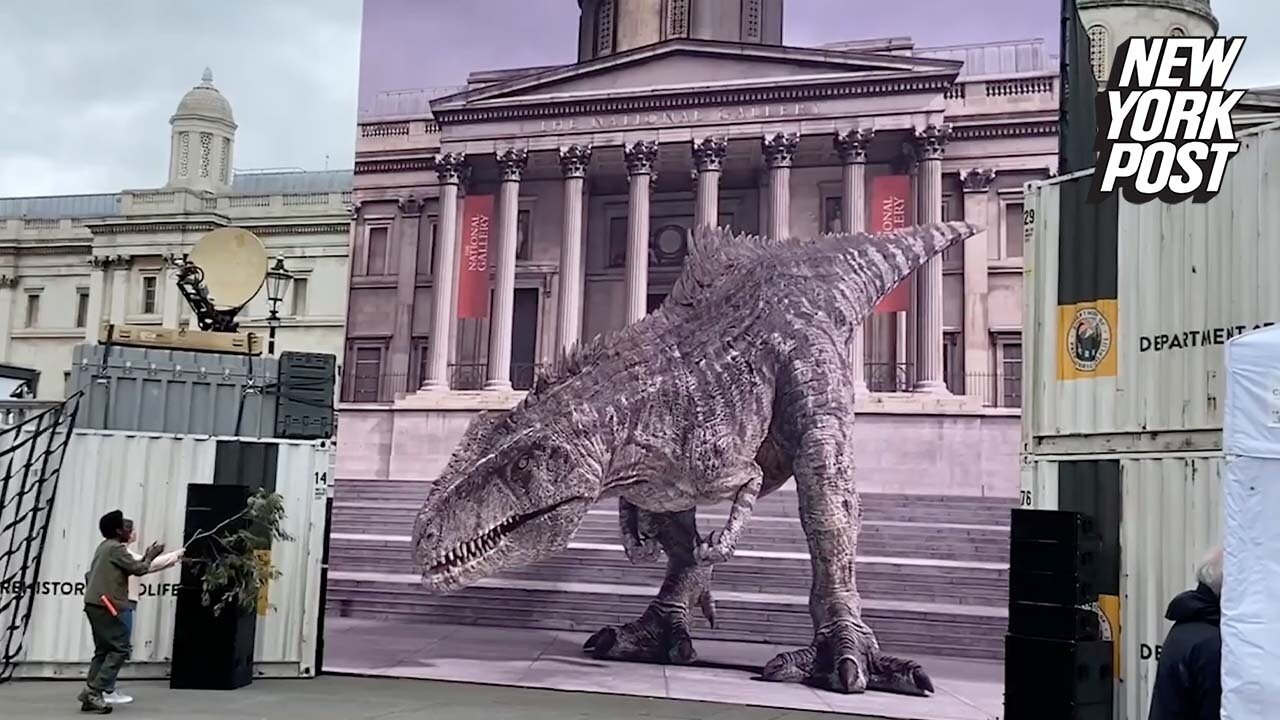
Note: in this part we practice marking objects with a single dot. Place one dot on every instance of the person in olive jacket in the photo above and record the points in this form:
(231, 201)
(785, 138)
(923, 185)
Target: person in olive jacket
(1189, 672)
(106, 594)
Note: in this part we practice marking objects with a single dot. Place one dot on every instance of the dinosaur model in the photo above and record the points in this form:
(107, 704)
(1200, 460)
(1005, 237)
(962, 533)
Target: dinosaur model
(741, 380)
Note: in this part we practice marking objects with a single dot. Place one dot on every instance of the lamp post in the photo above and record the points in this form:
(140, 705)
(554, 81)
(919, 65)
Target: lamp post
(278, 279)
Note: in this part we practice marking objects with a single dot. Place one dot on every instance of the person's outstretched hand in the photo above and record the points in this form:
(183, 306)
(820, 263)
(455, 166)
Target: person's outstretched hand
(154, 550)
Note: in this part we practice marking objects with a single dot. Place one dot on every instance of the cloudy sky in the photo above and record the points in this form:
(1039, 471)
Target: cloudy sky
(89, 85)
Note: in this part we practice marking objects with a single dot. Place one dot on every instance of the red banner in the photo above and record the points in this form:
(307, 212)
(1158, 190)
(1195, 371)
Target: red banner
(473, 274)
(890, 208)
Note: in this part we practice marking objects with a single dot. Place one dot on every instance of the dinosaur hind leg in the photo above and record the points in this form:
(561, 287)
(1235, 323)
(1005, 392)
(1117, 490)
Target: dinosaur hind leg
(844, 655)
(661, 633)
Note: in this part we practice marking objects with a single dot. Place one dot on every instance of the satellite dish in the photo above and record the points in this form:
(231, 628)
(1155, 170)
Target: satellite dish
(234, 264)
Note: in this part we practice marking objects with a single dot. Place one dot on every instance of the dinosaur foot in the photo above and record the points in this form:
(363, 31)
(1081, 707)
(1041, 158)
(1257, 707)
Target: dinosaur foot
(849, 661)
(660, 635)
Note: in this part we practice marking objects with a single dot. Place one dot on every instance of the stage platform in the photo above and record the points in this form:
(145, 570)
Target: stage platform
(548, 659)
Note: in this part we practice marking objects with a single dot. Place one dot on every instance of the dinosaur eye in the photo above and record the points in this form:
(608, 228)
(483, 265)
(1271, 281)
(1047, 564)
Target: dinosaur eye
(523, 463)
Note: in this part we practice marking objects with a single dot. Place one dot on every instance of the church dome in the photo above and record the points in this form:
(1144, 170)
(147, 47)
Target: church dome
(205, 102)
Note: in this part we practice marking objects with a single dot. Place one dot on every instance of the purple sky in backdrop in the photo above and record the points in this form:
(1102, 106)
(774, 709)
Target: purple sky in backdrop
(427, 43)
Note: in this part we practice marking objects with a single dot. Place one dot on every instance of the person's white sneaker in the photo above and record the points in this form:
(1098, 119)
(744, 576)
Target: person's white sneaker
(116, 697)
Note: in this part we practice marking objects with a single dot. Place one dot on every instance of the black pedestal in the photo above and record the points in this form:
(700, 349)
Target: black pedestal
(210, 652)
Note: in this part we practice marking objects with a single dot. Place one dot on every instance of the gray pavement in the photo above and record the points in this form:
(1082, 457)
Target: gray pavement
(553, 660)
(352, 698)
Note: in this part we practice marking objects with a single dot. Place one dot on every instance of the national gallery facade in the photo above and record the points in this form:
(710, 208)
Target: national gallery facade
(497, 224)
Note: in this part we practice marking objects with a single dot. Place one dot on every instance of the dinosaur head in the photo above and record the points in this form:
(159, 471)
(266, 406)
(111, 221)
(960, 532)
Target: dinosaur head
(513, 493)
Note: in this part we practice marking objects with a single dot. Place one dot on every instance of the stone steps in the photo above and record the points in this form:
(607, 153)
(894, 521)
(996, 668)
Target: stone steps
(933, 572)
(920, 540)
(902, 628)
(781, 505)
(407, 496)
(884, 578)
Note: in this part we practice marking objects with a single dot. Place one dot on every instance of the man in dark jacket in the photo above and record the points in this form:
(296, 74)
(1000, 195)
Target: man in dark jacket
(1189, 673)
(106, 594)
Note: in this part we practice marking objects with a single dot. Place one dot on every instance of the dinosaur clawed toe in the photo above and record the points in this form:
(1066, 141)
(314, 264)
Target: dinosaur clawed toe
(658, 636)
(848, 665)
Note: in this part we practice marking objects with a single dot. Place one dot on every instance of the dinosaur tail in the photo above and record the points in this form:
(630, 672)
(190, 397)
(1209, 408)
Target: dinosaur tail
(871, 266)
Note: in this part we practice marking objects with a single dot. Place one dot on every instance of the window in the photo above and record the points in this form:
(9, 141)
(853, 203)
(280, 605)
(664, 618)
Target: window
(299, 297)
(524, 246)
(376, 250)
(953, 255)
(604, 28)
(367, 376)
(1013, 230)
(1009, 375)
(832, 215)
(953, 362)
(33, 309)
(427, 247)
(1098, 41)
(149, 294)
(424, 359)
(82, 307)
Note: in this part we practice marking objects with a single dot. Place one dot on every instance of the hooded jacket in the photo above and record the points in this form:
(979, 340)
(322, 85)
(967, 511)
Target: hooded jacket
(1189, 674)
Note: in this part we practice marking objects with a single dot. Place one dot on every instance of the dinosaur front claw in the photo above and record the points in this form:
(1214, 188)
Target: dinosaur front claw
(849, 663)
(641, 549)
(718, 547)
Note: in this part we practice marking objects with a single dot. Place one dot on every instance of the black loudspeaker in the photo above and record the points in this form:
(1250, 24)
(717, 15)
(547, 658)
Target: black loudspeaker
(1053, 558)
(1053, 679)
(210, 652)
(305, 389)
(1053, 622)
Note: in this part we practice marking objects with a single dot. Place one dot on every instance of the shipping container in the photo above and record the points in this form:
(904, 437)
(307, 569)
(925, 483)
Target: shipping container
(174, 391)
(1128, 307)
(1158, 514)
(146, 475)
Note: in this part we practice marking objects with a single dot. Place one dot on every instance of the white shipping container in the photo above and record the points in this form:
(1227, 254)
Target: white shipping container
(1171, 514)
(1188, 276)
(146, 475)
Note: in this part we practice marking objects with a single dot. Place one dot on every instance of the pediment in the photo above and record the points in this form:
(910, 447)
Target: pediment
(686, 66)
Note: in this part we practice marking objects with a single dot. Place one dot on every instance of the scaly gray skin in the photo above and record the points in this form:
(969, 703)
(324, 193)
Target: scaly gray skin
(740, 381)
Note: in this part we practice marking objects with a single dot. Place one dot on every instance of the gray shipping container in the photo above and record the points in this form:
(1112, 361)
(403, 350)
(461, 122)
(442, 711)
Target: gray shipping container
(172, 391)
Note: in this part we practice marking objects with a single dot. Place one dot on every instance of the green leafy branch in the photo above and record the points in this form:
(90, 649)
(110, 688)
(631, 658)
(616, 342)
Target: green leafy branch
(241, 567)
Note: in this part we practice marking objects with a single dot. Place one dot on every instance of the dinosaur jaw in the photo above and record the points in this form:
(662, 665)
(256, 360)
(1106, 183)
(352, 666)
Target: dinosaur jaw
(517, 540)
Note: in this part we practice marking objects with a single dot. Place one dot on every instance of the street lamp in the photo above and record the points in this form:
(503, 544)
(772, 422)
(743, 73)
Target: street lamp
(278, 279)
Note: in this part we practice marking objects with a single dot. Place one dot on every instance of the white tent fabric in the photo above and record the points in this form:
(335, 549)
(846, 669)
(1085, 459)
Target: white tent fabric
(1251, 528)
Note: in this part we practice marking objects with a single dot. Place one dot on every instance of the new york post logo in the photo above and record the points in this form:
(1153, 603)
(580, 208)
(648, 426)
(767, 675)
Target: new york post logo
(1164, 121)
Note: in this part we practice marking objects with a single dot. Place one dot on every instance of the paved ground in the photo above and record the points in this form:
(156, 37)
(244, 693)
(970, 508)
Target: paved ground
(347, 698)
(966, 690)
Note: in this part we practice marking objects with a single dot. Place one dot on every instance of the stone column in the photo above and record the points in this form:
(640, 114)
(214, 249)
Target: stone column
(449, 170)
(929, 340)
(511, 162)
(708, 159)
(407, 227)
(852, 149)
(574, 160)
(905, 321)
(640, 156)
(977, 351)
(779, 150)
(98, 265)
(7, 284)
(119, 288)
(169, 294)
